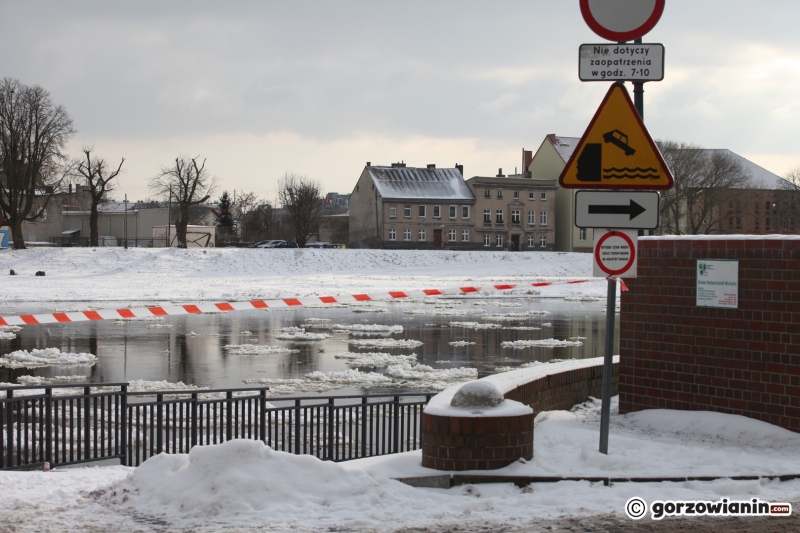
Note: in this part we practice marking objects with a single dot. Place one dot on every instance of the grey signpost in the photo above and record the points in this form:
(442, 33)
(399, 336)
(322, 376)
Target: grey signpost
(620, 21)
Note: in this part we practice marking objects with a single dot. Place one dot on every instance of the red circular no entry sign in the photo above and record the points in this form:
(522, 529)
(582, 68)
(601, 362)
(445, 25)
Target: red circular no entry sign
(599, 258)
(621, 20)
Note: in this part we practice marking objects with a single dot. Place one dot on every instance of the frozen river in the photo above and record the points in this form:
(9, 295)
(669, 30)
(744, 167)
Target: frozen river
(223, 350)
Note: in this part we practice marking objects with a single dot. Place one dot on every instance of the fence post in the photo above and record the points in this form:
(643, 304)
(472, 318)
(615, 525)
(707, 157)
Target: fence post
(123, 422)
(262, 416)
(159, 423)
(48, 420)
(193, 422)
(229, 415)
(396, 425)
(87, 423)
(364, 426)
(9, 428)
(331, 432)
(297, 426)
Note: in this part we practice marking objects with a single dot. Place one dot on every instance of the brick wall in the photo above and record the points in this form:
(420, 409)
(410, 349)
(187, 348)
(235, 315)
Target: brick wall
(746, 361)
(488, 443)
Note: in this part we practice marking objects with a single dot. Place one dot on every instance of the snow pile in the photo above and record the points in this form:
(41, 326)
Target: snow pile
(477, 394)
(242, 478)
(386, 343)
(461, 343)
(375, 359)
(549, 343)
(45, 357)
(256, 349)
(475, 325)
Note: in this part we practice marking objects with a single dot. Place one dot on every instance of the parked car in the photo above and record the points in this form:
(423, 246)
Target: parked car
(286, 244)
(269, 244)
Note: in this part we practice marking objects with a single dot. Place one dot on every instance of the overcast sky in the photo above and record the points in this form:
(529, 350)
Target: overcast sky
(320, 87)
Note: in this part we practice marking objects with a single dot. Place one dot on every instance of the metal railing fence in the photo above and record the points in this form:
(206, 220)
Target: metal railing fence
(71, 424)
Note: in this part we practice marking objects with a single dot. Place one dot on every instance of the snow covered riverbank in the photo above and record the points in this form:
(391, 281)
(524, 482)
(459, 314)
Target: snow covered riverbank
(115, 274)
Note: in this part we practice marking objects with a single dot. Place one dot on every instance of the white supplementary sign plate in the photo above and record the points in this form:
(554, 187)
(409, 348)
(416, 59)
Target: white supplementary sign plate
(612, 62)
(616, 209)
(615, 253)
(718, 283)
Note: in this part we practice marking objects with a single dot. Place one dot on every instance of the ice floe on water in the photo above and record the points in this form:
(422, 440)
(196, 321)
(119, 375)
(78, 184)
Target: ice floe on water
(515, 316)
(316, 319)
(444, 311)
(497, 303)
(583, 299)
(45, 357)
(430, 374)
(475, 325)
(522, 328)
(7, 335)
(374, 359)
(549, 343)
(158, 326)
(293, 333)
(368, 328)
(256, 349)
(385, 343)
(461, 343)
(246, 333)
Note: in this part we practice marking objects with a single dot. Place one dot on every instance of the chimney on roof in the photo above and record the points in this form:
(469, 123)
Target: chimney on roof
(460, 169)
(500, 173)
(551, 137)
(431, 166)
(398, 165)
(369, 164)
(527, 158)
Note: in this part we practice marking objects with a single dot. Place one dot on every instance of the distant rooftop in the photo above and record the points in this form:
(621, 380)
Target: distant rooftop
(407, 183)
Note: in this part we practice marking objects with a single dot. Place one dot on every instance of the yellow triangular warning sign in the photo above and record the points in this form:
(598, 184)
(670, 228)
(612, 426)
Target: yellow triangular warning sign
(616, 152)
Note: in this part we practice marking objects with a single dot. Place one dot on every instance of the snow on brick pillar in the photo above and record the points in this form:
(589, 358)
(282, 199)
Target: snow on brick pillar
(472, 427)
(745, 361)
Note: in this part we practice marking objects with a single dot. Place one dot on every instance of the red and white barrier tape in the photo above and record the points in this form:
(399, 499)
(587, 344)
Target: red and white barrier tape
(166, 310)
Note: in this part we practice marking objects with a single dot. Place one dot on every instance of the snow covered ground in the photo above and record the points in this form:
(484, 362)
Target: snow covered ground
(243, 486)
(115, 274)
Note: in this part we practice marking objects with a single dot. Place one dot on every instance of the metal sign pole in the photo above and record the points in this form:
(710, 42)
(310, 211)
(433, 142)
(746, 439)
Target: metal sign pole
(608, 364)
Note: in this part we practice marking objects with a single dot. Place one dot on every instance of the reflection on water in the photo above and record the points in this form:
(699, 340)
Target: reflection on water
(191, 348)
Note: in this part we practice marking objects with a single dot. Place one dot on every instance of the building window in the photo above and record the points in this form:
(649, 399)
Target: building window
(486, 238)
(543, 218)
(422, 210)
(739, 222)
(516, 195)
(392, 234)
(406, 234)
(544, 196)
(452, 211)
(487, 193)
(421, 235)
(515, 218)
(531, 218)
(499, 193)
(451, 235)
(487, 215)
(531, 196)
(543, 241)
(465, 235)
(499, 217)
(766, 226)
(437, 211)
(407, 211)
(498, 240)
(464, 211)
(582, 234)
(392, 211)
(531, 241)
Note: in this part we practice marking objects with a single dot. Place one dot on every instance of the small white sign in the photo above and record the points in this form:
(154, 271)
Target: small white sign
(627, 61)
(718, 283)
(615, 253)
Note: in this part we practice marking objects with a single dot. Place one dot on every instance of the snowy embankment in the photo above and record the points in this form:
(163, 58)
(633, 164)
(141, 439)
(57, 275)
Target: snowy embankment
(115, 274)
(245, 486)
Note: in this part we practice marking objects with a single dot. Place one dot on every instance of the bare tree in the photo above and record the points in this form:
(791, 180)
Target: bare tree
(791, 181)
(245, 203)
(301, 197)
(703, 181)
(98, 178)
(188, 184)
(33, 131)
(259, 223)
